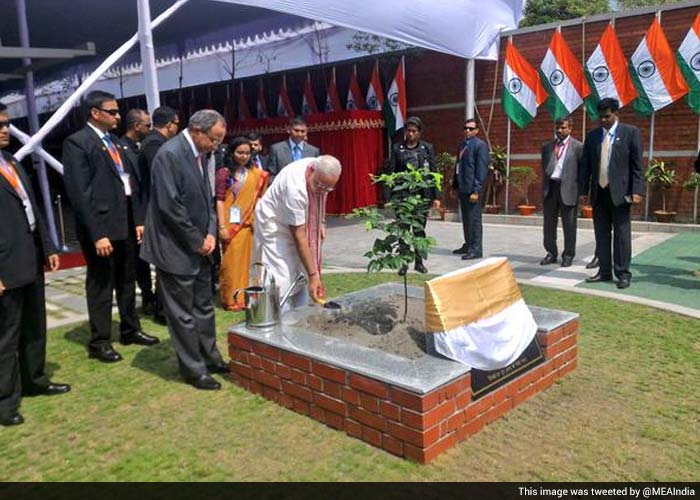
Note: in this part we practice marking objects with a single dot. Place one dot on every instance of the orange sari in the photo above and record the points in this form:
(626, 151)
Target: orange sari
(238, 250)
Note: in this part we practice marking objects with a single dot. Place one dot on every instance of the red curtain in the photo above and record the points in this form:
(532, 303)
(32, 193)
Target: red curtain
(354, 137)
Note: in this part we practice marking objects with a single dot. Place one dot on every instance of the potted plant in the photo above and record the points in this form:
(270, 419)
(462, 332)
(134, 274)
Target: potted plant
(521, 178)
(659, 176)
(692, 183)
(445, 164)
(497, 168)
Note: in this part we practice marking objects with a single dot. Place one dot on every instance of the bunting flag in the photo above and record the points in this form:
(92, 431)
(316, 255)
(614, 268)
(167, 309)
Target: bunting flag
(308, 101)
(688, 57)
(655, 72)
(395, 104)
(284, 105)
(375, 94)
(354, 100)
(261, 105)
(607, 73)
(522, 90)
(243, 109)
(332, 99)
(563, 78)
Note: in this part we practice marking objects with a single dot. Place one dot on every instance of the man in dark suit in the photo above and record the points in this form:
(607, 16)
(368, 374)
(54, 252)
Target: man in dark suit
(102, 188)
(179, 240)
(25, 248)
(256, 148)
(294, 148)
(560, 160)
(612, 166)
(470, 175)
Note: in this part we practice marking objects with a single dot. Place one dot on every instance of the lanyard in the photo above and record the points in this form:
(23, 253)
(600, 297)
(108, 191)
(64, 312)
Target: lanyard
(114, 153)
(9, 173)
(560, 148)
(237, 185)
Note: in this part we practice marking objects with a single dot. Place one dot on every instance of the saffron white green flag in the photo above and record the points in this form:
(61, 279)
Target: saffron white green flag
(688, 57)
(395, 103)
(563, 78)
(522, 90)
(655, 72)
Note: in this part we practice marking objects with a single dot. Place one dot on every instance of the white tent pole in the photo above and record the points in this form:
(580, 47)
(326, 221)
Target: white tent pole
(68, 104)
(148, 59)
(470, 90)
(24, 139)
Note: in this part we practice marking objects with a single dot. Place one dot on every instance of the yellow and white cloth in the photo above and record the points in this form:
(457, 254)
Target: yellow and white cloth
(477, 315)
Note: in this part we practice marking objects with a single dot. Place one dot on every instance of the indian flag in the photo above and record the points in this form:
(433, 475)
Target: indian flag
(688, 57)
(477, 315)
(284, 105)
(563, 78)
(656, 74)
(522, 90)
(375, 95)
(395, 104)
(608, 74)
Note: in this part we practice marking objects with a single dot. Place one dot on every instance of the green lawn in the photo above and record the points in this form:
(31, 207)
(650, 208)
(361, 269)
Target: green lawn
(629, 412)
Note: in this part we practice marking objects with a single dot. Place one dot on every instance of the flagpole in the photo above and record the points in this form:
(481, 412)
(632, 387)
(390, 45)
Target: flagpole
(507, 167)
(583, 60)
(651, 156)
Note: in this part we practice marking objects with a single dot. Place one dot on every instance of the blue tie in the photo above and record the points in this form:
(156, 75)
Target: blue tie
(296, 153)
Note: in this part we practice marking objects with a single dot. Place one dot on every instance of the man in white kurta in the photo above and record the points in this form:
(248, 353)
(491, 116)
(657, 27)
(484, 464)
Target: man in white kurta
(289, 224)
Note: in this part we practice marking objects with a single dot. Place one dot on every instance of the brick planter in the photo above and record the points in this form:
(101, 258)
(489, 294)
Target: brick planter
(417, 416)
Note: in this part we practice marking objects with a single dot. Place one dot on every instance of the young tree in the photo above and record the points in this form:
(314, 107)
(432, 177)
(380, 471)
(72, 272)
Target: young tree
(549, 11)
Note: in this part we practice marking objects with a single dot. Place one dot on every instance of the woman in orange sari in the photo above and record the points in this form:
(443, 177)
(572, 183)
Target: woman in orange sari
(238, 188)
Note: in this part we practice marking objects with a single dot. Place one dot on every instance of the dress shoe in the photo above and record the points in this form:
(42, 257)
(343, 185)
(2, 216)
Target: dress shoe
(593, 264)
(50, 390)
(14, 419)
(221, 367)
(566, 261)
(403, 270)
(420, 267)
(548, 259)
(597, 278)
(105, 354)
(139, 338)
(623, 283)
(205, 383)
(461, 250)
(471, 256)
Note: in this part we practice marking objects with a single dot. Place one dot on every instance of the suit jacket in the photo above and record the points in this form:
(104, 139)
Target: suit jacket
(625, 176)
(149, 147)
(129, 150)
(180, 212)
(19, 265)
(422, 155)
(95, 188)
(473, 166)
(281, 155)
(569, 176)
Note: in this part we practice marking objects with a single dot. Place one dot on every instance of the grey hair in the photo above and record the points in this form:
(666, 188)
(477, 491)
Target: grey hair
(205, 119)
(328, 165)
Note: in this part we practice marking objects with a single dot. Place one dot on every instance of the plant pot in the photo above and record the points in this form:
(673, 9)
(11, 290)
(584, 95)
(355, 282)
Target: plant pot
(527, 209)
(662, 216)
(492, 209)
(587, 212)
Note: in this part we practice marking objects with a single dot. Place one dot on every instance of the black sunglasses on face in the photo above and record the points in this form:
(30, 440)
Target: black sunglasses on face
(4, 124)
(112, 112)
(470, 128)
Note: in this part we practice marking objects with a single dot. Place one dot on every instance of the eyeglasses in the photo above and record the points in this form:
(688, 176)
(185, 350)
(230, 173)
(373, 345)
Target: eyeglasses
(111, 112)
(470, 128)
(4, 124)
(323, 187)
(214, 141)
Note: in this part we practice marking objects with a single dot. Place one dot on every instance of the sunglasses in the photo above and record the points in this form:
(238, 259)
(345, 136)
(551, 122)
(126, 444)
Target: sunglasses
(470, 128)
(4, 124)
(111, 112)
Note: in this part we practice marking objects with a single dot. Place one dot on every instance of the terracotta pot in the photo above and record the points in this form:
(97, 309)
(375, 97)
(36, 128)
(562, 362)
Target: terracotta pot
(527, 209)
(493, 209)
(662, 216)
(587, 211)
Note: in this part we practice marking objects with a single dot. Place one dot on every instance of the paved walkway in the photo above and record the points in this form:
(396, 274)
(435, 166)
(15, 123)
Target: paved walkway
(671, 255)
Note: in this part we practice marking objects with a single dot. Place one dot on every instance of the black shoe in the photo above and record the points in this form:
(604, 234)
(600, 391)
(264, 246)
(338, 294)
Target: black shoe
(139, 338)
(105, 354)
(204, 382)
(594, 263)
(403, 270)
(597, 278)
(566, 261)
(14, 419)
(420, 267)
(461, 250)
(50, 390)
(221, 367)
(548, 259)
(471, 256)
(623, 283)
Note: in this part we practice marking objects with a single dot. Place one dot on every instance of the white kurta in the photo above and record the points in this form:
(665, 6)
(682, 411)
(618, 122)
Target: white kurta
(283, 205)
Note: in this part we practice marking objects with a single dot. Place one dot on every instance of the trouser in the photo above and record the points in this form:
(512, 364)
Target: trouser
(143, 278)
(607, 219)
(553, 208)
(189, 309)
(22, 342)
(471, 224)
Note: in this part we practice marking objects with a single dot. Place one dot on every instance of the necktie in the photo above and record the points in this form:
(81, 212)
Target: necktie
(296, 153)
(604, 161)
(114, 153)
(559, 149)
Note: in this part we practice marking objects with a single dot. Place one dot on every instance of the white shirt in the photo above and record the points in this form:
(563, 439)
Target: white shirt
(611, 133)
(107, 140)
(560, 159)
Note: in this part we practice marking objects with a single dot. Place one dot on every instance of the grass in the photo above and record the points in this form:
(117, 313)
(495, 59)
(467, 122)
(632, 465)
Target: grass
(628, 413)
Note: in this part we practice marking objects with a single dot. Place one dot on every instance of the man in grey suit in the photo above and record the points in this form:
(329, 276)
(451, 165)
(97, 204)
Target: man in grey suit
(179, 240)
(612, 166)
(294, 148)
(560, 160)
